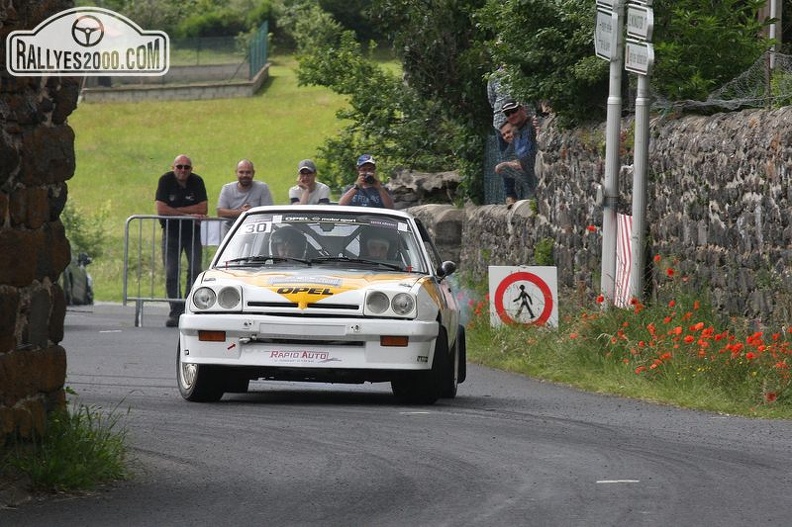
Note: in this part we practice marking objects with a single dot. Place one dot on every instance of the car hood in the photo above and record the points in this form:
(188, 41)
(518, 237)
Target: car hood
(304, 286)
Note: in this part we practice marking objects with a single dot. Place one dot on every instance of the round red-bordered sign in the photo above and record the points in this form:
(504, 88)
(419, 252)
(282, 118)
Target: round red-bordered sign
(500, 309)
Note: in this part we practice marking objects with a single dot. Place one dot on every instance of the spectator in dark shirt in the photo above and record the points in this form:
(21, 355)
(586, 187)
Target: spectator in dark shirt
(180, 192)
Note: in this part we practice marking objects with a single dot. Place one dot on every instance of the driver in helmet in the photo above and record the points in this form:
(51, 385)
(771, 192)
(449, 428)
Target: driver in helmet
(288, 242)
(377, 244)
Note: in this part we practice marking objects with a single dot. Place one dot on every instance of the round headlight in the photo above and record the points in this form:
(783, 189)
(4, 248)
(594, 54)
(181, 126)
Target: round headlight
(403, 304)
(204, 298)
(377, 302)
(228, 298)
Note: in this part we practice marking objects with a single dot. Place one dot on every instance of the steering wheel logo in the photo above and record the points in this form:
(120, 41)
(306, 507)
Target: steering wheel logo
(87, 31)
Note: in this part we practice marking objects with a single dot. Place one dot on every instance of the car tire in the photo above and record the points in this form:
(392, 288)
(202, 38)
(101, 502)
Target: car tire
(425, 387)
(198, 382)
(461, 345)
(451, 375)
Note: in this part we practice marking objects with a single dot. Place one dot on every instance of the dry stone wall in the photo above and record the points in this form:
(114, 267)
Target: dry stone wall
(718, 209)
(36, 159)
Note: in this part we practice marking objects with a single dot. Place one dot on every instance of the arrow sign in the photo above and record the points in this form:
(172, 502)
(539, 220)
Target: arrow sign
(605, 34)
(638, 57)
(640, 22)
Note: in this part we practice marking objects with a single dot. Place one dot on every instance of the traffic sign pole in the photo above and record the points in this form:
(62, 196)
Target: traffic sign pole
(640, 25)
(610, 187)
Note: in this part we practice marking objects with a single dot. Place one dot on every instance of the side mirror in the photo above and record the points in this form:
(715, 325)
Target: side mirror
(446, 268)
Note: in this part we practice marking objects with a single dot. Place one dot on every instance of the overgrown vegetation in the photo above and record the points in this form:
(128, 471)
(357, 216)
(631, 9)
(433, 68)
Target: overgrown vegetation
(673, 349)
(79, 450)
(86, 230)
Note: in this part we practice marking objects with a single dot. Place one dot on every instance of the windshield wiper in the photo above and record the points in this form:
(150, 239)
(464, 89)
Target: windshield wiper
(261, 258)
(395, 267)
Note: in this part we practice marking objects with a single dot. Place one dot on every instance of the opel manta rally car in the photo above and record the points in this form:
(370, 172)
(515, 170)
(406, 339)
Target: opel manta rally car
(327, 294)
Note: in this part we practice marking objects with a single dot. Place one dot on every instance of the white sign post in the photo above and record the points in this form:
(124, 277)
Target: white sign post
(639, 58)
(610, 185)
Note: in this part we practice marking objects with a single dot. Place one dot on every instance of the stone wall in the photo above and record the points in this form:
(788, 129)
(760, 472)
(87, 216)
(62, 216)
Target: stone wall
(718, 209)
(36, 159)
(208, 90)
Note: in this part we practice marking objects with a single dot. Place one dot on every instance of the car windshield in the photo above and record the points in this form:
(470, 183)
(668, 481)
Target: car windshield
(327, 238)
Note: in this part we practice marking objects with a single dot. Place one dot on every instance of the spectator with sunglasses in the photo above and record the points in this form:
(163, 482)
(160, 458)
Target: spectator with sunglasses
(180, 192)
(525, 149)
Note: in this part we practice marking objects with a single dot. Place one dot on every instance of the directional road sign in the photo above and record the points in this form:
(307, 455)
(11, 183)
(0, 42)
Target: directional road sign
(640, 22)
(638, 57)
(605, 34)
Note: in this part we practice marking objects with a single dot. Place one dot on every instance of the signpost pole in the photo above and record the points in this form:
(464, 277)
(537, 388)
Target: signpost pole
(639, 59)
(640, 162)
(610, 187)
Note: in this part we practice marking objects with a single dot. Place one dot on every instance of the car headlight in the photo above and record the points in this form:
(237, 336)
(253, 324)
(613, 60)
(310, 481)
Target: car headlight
(204, 298)
(229, 297)
(403, 304)
(377, 302)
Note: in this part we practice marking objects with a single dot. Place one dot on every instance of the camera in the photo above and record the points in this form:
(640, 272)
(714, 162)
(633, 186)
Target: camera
(369, 178)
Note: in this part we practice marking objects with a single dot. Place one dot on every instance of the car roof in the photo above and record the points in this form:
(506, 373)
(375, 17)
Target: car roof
(331, 208)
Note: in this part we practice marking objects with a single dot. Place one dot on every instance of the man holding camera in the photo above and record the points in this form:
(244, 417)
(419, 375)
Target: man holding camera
(367, 191)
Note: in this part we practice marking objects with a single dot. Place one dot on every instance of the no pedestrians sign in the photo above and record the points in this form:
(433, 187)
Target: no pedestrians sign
(523, 295)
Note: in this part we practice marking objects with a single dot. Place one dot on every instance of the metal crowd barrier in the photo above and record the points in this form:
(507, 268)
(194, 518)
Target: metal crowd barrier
(144, 269)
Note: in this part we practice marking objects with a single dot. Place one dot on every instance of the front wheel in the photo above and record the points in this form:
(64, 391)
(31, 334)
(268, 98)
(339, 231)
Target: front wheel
(198, 382)
(425, 387)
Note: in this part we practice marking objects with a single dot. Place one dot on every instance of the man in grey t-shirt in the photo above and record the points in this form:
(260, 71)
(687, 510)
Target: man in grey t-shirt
(237, 197)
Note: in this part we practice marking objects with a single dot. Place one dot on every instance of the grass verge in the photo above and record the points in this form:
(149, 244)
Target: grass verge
(80, 450)
(675, 350)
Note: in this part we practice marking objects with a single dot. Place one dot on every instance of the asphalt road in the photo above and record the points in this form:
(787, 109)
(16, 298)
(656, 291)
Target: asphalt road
(507, 451)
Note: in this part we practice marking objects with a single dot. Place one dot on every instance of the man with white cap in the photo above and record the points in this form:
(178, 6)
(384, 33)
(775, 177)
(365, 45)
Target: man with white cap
(367, 191)
(308, 191)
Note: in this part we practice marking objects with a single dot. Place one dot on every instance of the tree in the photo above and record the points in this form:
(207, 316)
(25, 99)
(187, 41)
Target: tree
(432, 117)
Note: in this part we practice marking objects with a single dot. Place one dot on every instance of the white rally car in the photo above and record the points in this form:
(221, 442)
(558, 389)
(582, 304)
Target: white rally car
(328, 294)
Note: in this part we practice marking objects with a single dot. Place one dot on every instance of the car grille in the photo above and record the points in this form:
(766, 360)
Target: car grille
(324, 305)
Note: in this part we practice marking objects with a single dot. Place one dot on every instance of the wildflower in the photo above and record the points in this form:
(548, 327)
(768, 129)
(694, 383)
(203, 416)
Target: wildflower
(750, 355)
(672, 304)
(670, 272)
(696, 305)
(657, 258)
(640, 369)
(600, 299)
(689, 339)
(591, 228)
(771, 397)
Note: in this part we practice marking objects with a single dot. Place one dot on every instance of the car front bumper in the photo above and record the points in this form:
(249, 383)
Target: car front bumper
(289, 342)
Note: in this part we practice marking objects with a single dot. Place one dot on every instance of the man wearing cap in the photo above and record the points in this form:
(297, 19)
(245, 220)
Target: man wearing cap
(524, 144)
(308, 191)
(237, 197)
(367, 191)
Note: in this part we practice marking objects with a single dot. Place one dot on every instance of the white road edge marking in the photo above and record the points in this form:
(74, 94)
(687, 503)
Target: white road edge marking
(609, 481)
